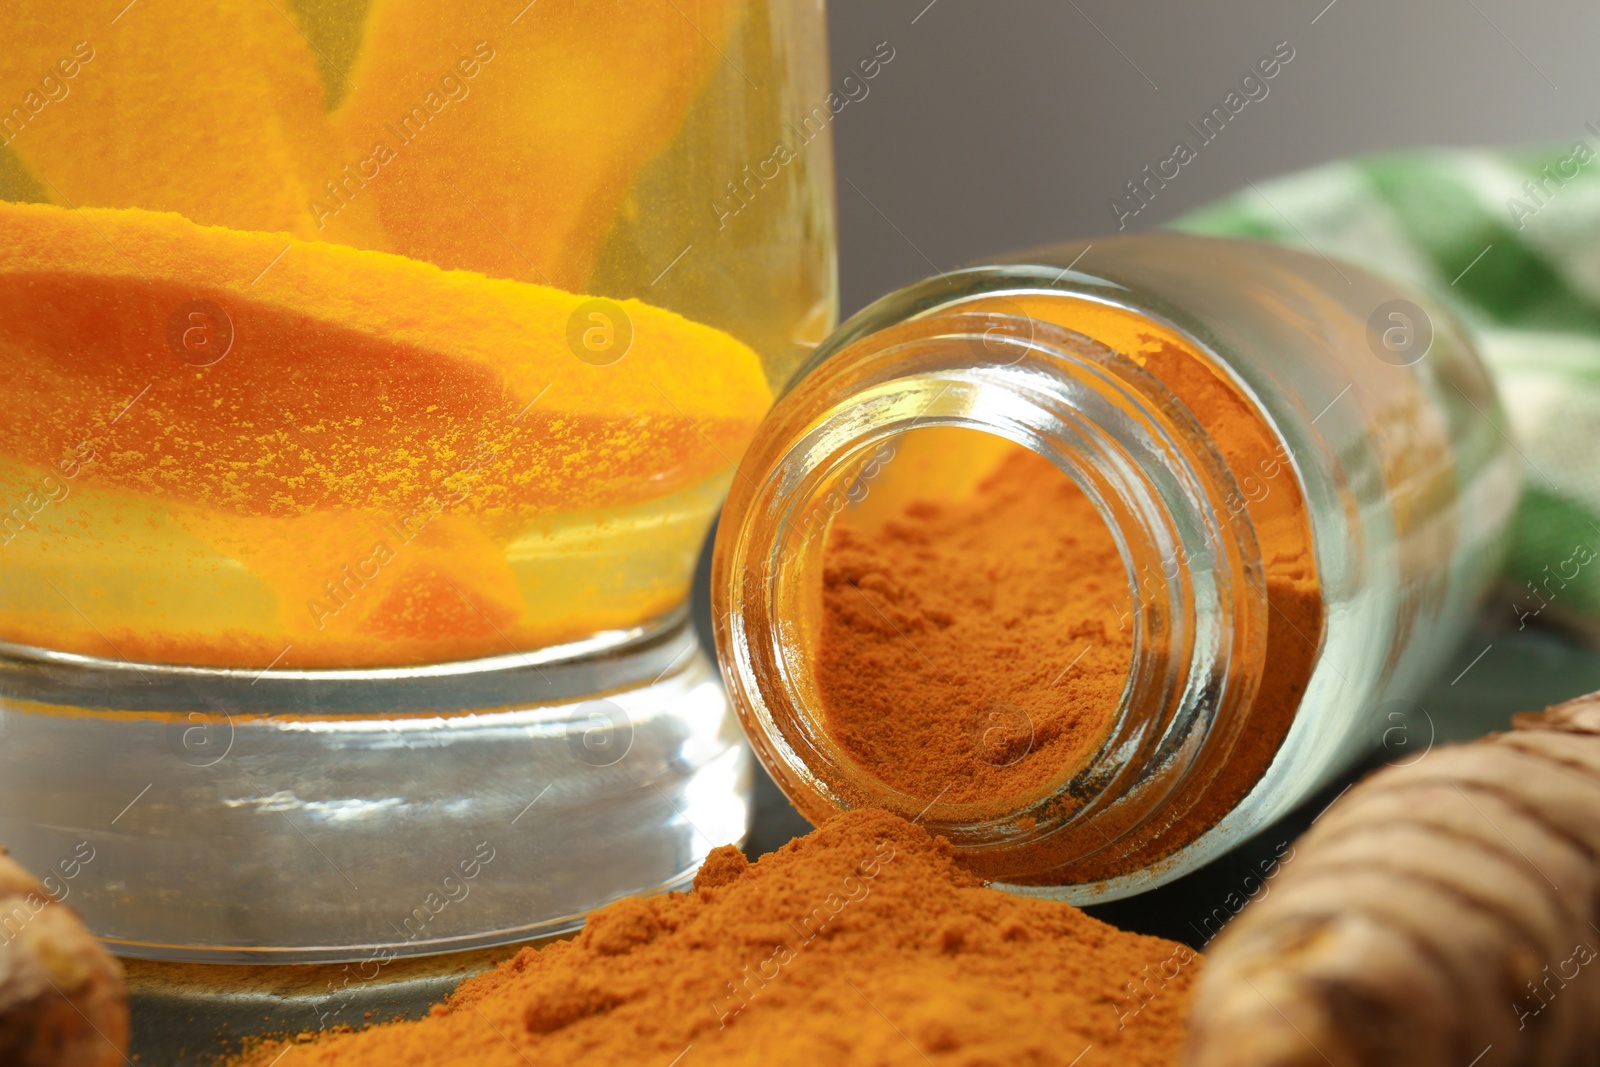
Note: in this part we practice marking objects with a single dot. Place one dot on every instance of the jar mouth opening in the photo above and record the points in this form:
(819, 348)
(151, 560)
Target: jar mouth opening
(957, 563)
(1193, 583)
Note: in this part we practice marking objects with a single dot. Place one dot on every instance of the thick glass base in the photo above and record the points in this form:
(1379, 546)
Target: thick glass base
(301, 816)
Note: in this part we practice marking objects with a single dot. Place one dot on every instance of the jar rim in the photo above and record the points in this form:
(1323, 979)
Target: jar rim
(1154, 476)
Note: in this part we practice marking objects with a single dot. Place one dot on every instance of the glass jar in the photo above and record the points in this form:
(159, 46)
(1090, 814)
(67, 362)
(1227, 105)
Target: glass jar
(375, 372)
(1303, 469)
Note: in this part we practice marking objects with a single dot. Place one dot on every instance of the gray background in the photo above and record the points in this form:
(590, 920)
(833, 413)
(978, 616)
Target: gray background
(1001, 124)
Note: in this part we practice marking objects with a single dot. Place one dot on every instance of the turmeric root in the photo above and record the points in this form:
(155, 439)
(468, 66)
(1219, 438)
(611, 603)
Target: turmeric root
(62, 999)
(1442, 913)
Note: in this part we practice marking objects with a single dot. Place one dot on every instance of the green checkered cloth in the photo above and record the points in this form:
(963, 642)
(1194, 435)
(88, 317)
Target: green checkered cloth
(1510, 241)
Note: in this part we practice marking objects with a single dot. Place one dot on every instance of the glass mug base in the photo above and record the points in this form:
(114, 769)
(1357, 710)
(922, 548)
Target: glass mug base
(218, 815)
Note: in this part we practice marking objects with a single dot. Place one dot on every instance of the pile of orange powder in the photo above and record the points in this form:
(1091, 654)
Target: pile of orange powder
(862, 942)
(976, 649)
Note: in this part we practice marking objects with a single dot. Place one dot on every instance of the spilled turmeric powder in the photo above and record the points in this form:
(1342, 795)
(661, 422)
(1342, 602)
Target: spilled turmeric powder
(862, 942)
(974, 649)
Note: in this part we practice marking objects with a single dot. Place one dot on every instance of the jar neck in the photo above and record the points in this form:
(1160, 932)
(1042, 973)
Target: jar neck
(1193, 570)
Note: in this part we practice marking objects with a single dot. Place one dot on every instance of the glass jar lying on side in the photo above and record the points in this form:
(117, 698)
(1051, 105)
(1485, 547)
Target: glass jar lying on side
(1288, 485)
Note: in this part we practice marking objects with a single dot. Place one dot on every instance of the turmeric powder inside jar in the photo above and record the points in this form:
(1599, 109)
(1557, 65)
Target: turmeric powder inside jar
(974, 646)
(952, 604)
